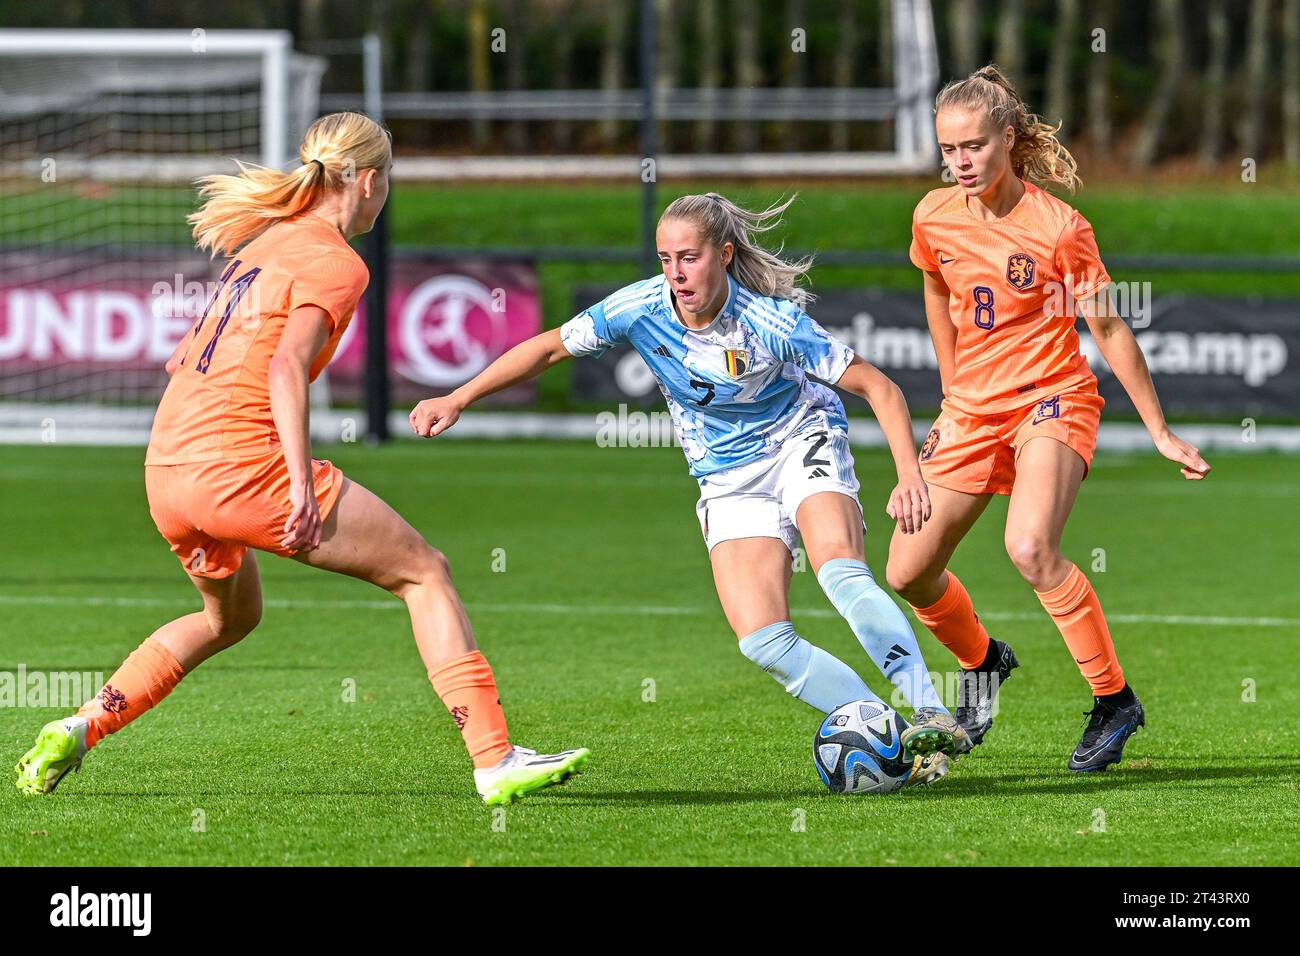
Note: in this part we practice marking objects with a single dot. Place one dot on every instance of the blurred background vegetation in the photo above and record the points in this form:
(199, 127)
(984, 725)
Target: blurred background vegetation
(1184, 83)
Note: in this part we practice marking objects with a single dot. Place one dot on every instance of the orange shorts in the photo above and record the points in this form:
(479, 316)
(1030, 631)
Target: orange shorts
(211, 512)
(977, 454)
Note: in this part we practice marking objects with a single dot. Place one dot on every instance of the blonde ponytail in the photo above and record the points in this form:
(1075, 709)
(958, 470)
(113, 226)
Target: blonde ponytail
(719, 221)
(237, 208)
(1037, 154)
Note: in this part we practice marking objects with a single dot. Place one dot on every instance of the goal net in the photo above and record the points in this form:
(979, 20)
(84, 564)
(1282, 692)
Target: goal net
(102, 133)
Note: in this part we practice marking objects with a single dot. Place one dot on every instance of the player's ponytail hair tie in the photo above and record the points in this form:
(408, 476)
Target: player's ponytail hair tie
(237, 208)
(1036, 153)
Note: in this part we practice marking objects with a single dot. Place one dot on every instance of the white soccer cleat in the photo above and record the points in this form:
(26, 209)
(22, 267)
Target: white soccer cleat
(522, 771)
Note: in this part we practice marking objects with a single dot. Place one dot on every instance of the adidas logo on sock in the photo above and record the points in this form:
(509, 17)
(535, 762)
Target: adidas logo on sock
(896, 653)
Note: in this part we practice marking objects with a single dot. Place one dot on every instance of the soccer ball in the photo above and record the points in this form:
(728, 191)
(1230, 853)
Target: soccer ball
(859, 749)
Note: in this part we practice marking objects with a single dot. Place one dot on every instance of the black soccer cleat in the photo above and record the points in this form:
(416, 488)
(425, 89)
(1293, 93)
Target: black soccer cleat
(978, 690)
(1109, 727)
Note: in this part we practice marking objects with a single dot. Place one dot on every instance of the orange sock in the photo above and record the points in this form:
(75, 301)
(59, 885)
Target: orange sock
(1074, 607)
(952, 619)
(469, 691)
(147, 676)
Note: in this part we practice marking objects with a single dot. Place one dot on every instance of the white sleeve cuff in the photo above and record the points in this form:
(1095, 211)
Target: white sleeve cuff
(580, 338)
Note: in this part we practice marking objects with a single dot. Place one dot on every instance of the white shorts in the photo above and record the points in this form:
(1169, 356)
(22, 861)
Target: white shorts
(761, 499)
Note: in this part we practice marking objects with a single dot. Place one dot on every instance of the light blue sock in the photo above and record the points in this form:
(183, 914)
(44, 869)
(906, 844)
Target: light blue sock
(880, 628)
(817, 678)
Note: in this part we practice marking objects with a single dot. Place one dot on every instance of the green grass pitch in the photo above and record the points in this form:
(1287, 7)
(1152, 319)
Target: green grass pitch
(256, 758)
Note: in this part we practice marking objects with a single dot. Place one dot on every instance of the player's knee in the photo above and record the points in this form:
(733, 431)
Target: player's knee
(232, 626)
(902, 578)
(917, 584)
(432, 569)
(829, 550)
(424, 566)
(1032, 555)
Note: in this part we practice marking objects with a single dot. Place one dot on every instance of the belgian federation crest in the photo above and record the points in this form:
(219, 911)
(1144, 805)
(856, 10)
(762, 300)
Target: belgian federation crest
(1020, 270)
(737, 362)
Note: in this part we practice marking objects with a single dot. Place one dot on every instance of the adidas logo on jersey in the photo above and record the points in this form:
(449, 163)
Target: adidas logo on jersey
(663, 351)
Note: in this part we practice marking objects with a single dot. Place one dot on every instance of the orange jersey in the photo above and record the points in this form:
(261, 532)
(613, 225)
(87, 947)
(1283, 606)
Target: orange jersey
(218, 402)
(1014, 286)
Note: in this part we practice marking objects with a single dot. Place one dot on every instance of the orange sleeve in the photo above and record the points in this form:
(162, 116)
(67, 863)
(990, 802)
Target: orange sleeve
(334, 283)
(919, 252)
(1077, 259)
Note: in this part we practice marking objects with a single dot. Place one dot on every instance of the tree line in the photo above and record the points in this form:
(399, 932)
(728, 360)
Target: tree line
(1139, 80)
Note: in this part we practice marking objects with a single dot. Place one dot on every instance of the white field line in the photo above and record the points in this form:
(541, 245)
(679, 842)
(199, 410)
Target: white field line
(875, 480)
(24, 423)
(1192, 620)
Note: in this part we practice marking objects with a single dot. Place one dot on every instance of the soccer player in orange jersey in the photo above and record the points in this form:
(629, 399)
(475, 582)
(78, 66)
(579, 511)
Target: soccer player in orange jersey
(229, 464)
(1008, 268)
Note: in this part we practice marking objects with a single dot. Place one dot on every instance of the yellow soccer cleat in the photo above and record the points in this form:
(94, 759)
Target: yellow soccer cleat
(524, 771)
(59, 748)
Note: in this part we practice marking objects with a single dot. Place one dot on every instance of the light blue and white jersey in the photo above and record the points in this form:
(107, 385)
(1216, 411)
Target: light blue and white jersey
(736, 389)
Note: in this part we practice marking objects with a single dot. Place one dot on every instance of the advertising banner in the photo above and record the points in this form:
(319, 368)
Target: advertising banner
(101, 327)
(1208, 356)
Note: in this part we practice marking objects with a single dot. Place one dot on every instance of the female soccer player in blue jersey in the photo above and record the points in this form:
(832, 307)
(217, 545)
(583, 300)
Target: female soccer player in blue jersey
(740, 365)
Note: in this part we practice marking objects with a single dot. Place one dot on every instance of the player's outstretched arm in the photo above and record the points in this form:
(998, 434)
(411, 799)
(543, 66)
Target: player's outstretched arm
(909, 504)
(525, 361)
(1123, 354)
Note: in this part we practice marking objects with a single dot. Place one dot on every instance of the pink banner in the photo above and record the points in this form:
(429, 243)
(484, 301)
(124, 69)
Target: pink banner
(89, 326)
(447, 321)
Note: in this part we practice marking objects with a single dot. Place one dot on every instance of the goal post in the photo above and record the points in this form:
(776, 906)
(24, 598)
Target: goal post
(102, 134)
(46, 51)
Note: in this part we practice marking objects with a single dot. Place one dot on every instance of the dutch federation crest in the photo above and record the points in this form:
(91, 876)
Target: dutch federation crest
(737, 362)
(1020, 270)
(1048, 408)
(930, 444)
